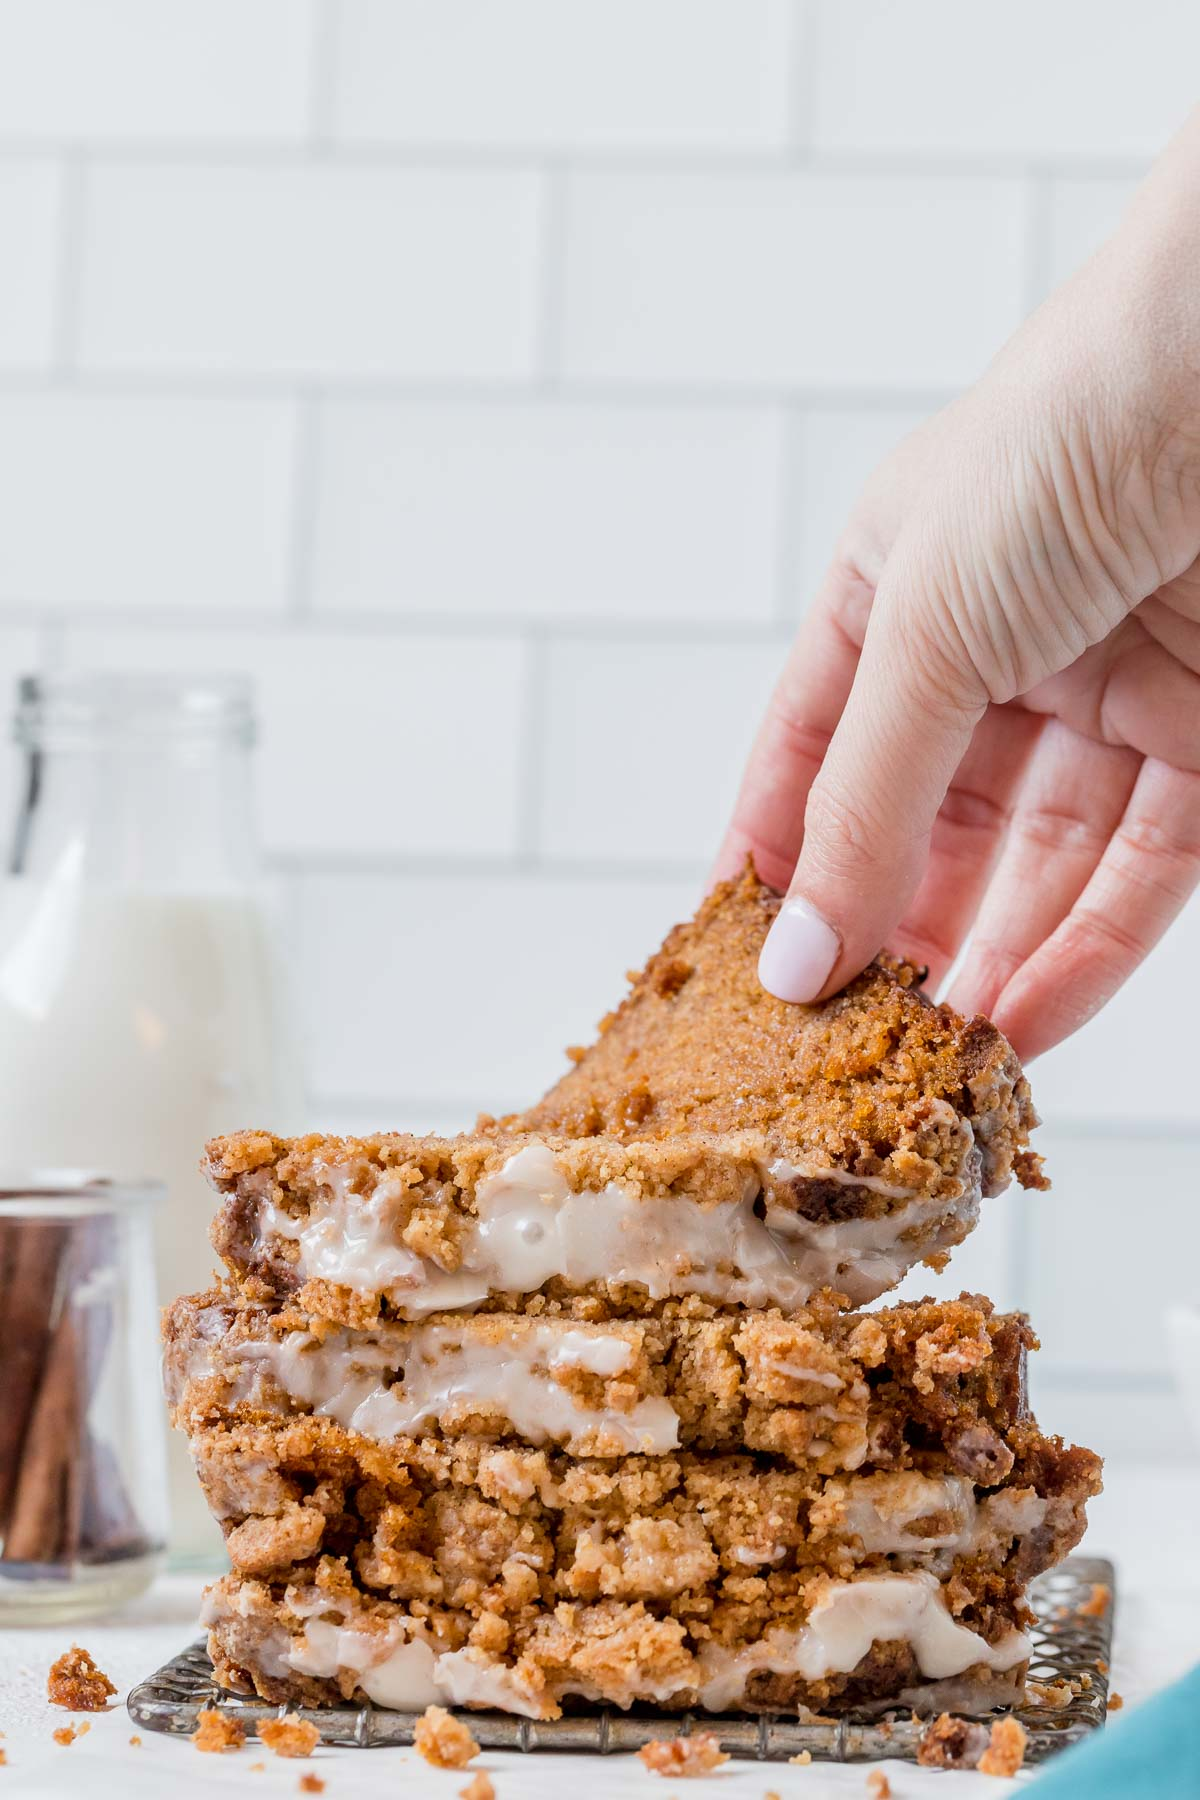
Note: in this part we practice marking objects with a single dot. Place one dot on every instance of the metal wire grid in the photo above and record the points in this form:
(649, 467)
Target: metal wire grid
(1072, 1643)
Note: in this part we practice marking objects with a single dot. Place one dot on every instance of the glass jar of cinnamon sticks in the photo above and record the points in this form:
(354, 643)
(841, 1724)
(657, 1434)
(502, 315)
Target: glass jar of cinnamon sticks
(82, 1470)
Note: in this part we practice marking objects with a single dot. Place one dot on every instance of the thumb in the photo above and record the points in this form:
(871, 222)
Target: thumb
(909, 718)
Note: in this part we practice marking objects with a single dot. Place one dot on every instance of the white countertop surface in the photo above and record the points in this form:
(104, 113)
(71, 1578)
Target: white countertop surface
(1145, 1521)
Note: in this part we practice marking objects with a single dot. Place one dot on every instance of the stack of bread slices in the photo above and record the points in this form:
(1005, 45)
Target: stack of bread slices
(595, 1405)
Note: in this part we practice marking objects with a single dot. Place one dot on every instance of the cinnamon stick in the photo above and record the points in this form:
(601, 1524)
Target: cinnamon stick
(43, 1525)
(32, 1252)
(62, 1496)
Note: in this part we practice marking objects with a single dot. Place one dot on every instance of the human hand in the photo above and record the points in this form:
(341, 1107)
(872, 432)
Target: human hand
(990, 720)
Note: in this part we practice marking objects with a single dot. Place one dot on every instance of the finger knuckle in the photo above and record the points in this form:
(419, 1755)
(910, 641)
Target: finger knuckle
(993, 963)
(1151, 844)
(1054, 828)
(1098, 938)
(842, 831)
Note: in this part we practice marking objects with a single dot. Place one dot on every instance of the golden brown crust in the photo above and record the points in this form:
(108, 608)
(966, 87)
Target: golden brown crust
(872, 1079)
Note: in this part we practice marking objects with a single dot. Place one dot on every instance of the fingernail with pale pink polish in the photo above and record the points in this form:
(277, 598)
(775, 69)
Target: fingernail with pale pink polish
(800, 951)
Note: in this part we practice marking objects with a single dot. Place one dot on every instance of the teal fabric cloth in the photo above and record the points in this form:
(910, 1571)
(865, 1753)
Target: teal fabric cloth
(1151, 1753)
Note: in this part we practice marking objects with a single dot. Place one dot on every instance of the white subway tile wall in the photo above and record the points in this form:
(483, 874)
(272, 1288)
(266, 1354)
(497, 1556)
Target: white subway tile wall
(780, 279)
(300, 269)
(493, 383)
(136, 71)
(522, 510)
(643, 745)
(31, 206)
(675, 75)
(153, 502)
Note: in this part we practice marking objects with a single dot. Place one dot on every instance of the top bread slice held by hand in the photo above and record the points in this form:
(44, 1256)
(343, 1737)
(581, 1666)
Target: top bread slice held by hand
(714, 1145)
(875, 1082)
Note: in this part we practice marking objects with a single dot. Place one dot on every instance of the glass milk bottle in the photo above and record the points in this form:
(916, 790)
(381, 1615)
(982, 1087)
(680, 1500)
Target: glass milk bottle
(138, 998)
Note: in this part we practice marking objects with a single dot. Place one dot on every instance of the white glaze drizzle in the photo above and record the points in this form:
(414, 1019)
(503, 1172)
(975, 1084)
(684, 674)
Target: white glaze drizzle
(389, 1385)
(399, 1664)
(530, 1228)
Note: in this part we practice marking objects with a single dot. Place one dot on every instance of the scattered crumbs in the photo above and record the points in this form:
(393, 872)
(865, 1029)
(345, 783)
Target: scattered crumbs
(699, 1754)
(772, 1794)
(1115, 1702)
(802, 1759)
(257, 1768)
(217, 1731)
(75, 1682)
(478, 1788)
(66, 1734)
(1100, 1665)
(1083, 1685)
(3, 1758)
(290, 1735)
(1053, 1694)
(1006, 1749)
(951, 1743)
(84, 1727)
(311, 1784)
(1098, 1601)
(444, 1740)
(136, 1741)
(878, 1785)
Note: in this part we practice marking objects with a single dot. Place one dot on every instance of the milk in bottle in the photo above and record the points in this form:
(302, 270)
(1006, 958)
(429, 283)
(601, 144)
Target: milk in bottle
(139, 988)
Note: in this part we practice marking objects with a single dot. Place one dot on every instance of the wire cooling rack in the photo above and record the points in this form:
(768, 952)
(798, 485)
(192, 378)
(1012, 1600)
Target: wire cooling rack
(1072, 1644)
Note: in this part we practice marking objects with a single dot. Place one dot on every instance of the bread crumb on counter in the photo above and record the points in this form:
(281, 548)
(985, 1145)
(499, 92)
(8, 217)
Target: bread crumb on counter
(289, 1736)
(217, 1731)
(699, 1754)
(75, 1682)
(1006, 1748)
(480, 1787)
(950, 1743)
(878, 1785)
(444, 1740)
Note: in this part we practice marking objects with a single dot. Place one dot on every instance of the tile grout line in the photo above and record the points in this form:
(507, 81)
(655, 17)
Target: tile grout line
(402, 627)
(488, 866)
(383, 390)
(698, 159)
